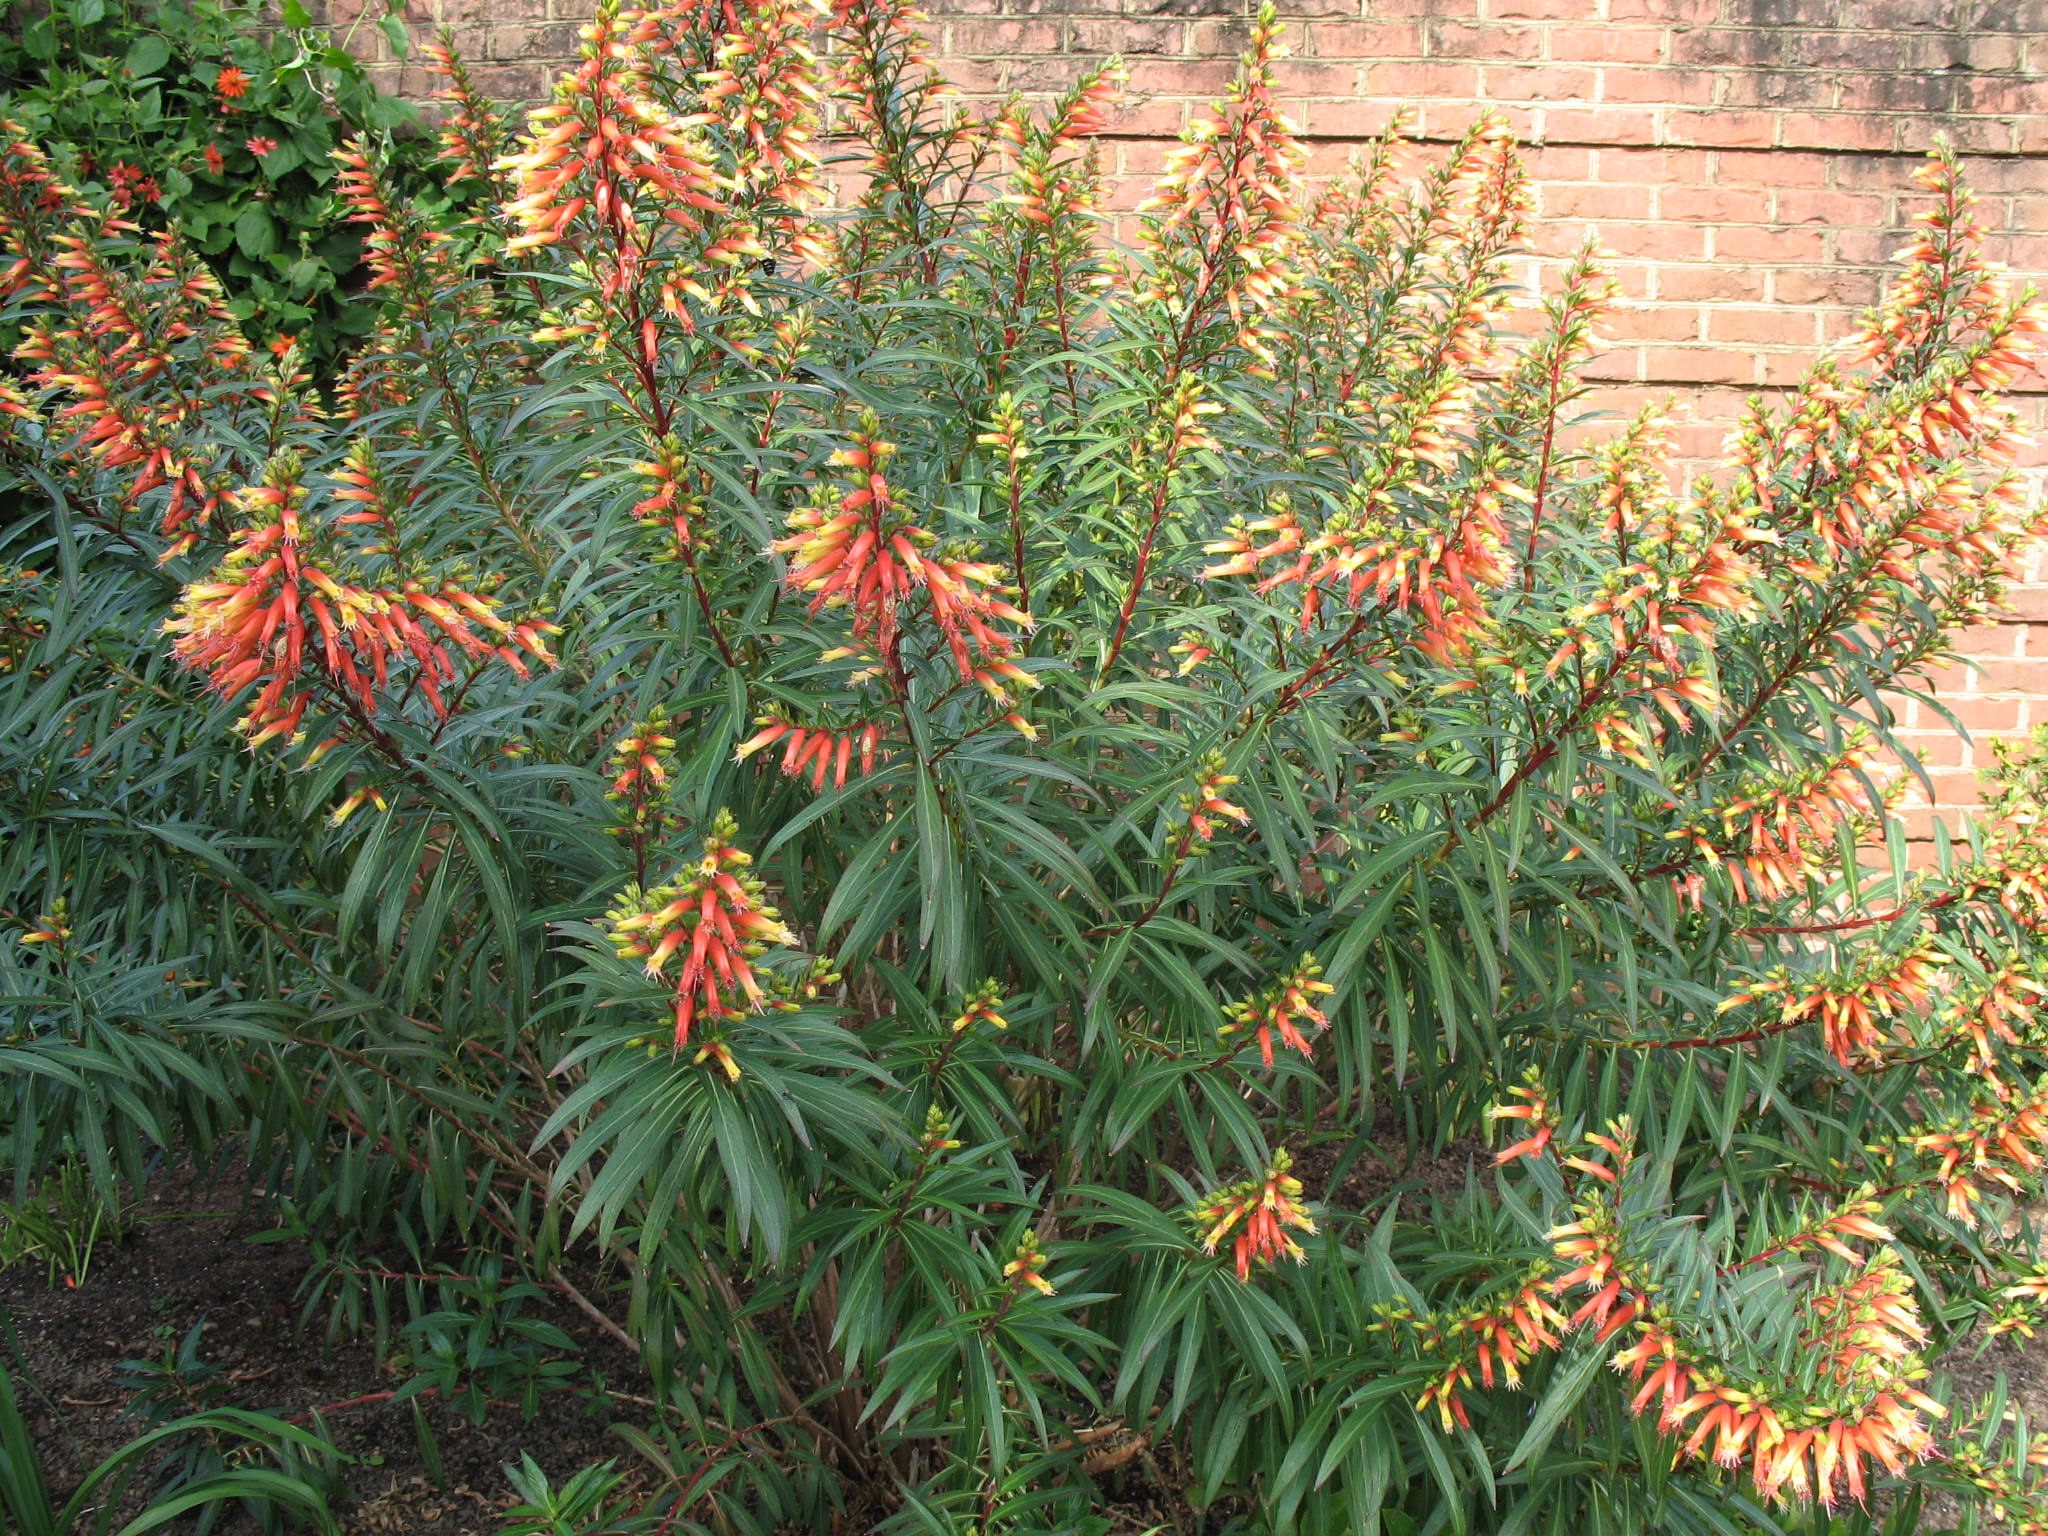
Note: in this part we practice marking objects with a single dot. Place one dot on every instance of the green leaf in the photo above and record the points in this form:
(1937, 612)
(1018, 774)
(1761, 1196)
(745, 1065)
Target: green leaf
(255, 232)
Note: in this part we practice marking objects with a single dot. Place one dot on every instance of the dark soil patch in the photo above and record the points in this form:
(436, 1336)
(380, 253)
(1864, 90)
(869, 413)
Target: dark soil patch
(188, 1260)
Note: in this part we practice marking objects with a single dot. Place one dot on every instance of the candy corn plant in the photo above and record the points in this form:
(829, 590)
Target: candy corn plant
(950, 826)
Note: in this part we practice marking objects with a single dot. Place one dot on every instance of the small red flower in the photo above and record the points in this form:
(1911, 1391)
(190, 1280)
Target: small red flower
(231, 85)
(259, 147)
(216, 162)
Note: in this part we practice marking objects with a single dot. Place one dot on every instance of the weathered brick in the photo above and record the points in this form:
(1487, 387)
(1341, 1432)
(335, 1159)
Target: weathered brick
(1470, 40)
(1674, 87)
(1423, 79)
(1295, 79)
(1697, 365)
(1772, 247)
(1799, 205)
(1652, 167)
(1837, 130)
(1537, 83)
(1768, 168)
(1595, 200)
(1712, 205)
(1347, 39)
(1655, 322)
(1779, 325)
(1738, 129)
(1713, 283)
(1007, 36)
(1826, 285)
(1607, 45)
(1600, 125)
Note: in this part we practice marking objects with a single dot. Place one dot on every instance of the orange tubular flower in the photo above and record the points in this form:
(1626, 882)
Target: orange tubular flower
(1850, 1006)
(818, 749)
(1283, 1008)
(984, 1006)
(865, 553)
(601, 145)
(715, 915)
(1265, 1207)
(1537, 1111)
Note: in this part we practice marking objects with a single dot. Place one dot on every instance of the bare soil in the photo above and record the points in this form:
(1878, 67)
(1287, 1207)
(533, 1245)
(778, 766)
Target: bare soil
(188, 1260)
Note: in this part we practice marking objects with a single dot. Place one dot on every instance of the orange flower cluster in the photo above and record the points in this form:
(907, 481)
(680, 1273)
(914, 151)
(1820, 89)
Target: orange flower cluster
(642, 763)
(1997, 1140)
(1282, 1008)
(716, 916)
(1372, 551)
(1207, 803)
(472, 133)
(1028, 1267)
(864, 552)
(984, 1006)
(673, 504)
(1495, 1336)
(764, 90)
(1222, 217)
(817, 748)
(1850, 1005)
(1537, 1111)
(1266, 1206)
(2008, 1001)
(1790, 1454)
(402, 253)
(1776, 833)
(602, 144)
(274, 601)
(885, 71)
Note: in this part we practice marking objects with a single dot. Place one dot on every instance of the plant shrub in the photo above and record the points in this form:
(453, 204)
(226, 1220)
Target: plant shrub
(907, 806)
(194, 113)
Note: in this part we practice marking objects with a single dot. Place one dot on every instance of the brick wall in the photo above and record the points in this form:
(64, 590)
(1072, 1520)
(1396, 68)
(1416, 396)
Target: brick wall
(1747, 162)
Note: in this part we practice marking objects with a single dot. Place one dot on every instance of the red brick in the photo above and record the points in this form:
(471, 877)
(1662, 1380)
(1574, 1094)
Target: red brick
(1863, 247)
(1935, 749)
(1784, 370)
(1659, 322)
(1607, 45)
(1296, 78)
(1450, 120)
(1711, 205)
(1538, 82)
(1663, 167)
(1148, 118)
(1593, 200)
(1680, 13)
(1537, 10)
(1573, 162)
(1780, 326)
(1971, 135)
(1005, 36)
(1349, 119)
(1824, 287)
(1776, 247)
(2023, 674)
(1630, 126)
(1801, 89)
(1730, 129)
(1623, 363)
(1468, 40)
(1655, 242)
(1836, 130)
(1673, 87)
(1769, 168)
(1839, 209)
(1678, 283)
(1347, 39)
(1697, 365)
(1096, 35)
(1202, 78)
(1423, 80)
